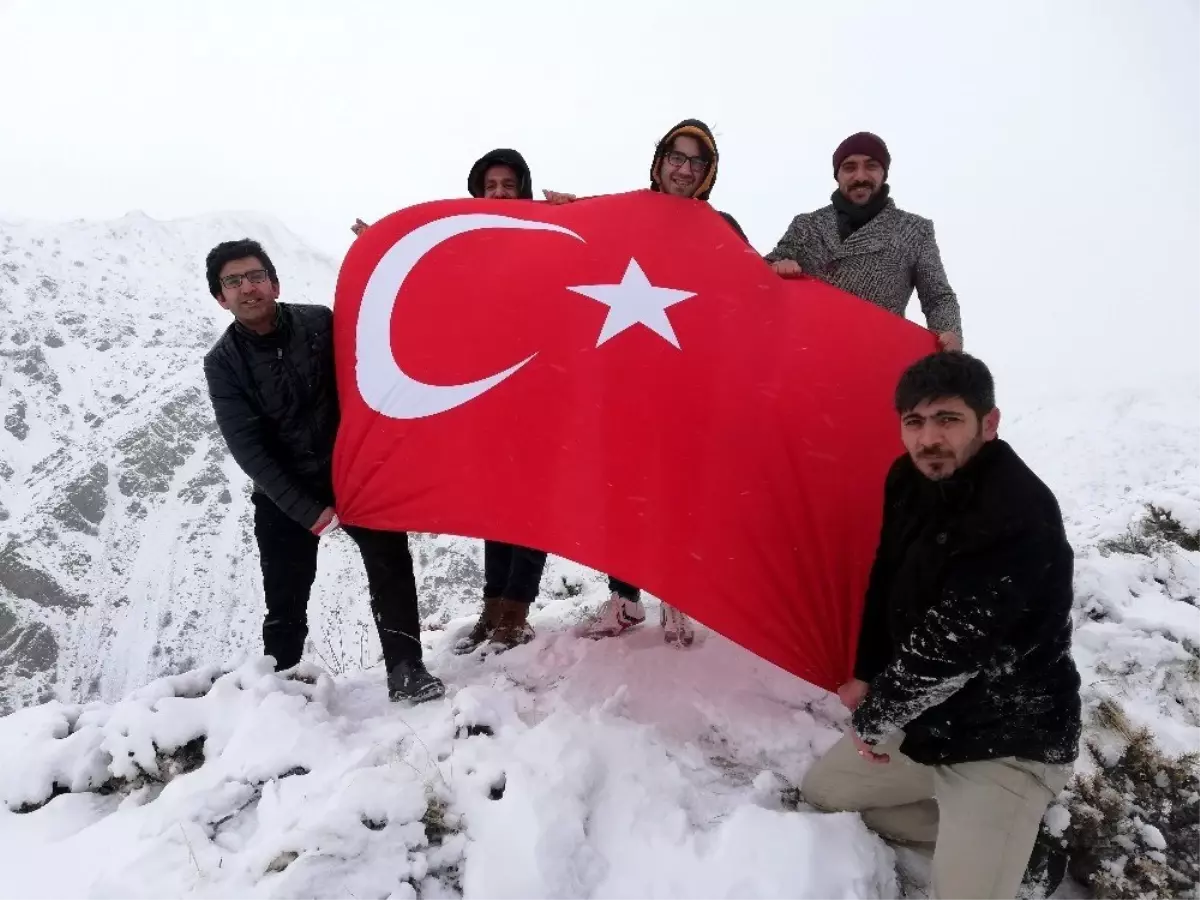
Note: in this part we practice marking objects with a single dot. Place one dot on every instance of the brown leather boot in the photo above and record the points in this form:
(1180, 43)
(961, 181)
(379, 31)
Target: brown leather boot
(514, 628)
(489, 618)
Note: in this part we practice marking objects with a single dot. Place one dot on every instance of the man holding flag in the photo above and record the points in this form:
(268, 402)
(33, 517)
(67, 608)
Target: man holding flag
(271, 382)
(965, 697)
(684, 165)
(511, 574)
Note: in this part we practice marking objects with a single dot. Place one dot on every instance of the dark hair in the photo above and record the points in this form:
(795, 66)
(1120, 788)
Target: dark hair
(228, 251)
(943, 375)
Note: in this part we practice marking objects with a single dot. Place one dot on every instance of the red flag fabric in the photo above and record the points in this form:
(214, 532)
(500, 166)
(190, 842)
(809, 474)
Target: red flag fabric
(623, 382)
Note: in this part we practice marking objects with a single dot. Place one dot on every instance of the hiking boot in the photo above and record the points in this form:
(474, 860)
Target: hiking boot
(1047, 867)
(677, 628)
(410, 680)
(488, 619)
(616, 615)
(513, 630)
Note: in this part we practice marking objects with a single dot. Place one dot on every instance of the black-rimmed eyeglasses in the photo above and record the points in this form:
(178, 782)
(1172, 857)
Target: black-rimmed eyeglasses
(677, 159)
(254, 276)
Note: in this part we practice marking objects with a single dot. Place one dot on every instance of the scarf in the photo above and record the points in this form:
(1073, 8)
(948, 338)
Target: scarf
(851, 216)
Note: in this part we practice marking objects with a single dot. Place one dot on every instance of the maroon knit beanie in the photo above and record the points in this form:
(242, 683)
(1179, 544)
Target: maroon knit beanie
(865, 143)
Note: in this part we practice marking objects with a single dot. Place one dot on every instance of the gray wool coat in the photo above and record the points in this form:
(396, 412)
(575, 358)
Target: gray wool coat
(881, 262)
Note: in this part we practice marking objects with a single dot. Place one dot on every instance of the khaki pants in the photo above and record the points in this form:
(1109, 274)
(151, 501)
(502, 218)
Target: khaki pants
(991, 811)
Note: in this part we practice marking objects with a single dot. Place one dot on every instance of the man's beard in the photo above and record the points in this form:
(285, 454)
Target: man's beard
(936, 465)
(943, 462)
(871, 186)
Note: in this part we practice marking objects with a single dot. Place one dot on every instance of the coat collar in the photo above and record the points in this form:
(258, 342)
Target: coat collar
(283, 321)
(956, 492)
(871, 238)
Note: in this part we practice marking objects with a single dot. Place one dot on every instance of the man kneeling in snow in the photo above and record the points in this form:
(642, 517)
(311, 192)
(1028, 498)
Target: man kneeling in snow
(271, 382)
(966, 700)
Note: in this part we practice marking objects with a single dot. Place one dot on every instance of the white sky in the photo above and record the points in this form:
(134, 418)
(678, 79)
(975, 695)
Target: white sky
(1055, 144)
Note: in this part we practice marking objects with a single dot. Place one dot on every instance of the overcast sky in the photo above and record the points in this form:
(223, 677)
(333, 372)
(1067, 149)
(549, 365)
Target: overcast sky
(1055, 144)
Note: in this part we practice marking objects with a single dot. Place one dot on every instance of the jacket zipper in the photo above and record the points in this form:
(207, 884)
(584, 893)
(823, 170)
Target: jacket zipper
(305, 394)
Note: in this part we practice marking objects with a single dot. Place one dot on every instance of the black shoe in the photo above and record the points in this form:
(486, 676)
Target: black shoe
(410, 680)
(1047, 867)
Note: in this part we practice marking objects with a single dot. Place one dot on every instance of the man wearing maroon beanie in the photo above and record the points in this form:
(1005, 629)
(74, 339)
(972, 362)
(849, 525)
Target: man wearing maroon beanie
(865, 245)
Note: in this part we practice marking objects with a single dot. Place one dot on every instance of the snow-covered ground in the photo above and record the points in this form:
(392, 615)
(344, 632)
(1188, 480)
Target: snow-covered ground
(565, 768)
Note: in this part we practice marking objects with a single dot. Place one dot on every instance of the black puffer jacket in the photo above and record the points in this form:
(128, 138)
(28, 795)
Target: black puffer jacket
(966, 635)
(275, 400)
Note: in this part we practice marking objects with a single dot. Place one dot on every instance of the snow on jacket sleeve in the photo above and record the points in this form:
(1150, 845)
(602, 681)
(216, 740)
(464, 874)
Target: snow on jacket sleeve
(986, 590)
(939, 303)
(242, 428)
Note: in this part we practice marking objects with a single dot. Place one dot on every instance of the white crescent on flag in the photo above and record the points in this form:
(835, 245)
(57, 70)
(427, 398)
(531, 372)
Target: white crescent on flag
(385, 387)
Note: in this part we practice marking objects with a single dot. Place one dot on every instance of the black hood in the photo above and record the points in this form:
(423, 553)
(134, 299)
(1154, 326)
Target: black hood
(503, 157)
(702, 132)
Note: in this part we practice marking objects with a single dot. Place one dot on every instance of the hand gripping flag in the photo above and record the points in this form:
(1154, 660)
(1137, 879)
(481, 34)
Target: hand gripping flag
(623, 382)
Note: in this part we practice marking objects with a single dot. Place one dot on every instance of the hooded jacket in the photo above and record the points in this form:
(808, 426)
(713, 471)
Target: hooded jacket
(701, 132)
(501, 157)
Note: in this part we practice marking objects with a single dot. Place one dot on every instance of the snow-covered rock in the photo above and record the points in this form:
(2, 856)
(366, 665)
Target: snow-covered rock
(563, 768)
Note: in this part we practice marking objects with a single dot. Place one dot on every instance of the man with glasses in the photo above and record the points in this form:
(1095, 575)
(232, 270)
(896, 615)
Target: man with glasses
(684, 165)
(863, 244)
(271, 382)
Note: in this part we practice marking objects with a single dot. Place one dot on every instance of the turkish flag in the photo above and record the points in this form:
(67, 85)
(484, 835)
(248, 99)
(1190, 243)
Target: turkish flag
(622, 381)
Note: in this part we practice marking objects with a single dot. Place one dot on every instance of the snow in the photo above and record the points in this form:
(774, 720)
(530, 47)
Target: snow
(563, 768)
(1057, 819)
(130, 606)
(1152, 836)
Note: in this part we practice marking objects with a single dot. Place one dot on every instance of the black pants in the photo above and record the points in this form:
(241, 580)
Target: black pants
(511, 572)
(289, 564)
(623, 589)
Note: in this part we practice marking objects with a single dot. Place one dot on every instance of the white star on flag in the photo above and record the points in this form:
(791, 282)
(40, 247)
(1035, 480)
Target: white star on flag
(635, 301)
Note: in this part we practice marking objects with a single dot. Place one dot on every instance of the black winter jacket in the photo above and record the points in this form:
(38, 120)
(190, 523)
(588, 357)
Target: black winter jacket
(966, 633)
(275, 400)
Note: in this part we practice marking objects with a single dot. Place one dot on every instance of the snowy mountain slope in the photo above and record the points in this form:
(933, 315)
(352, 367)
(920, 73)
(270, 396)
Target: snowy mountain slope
(123, 549)
(618, 768)
(1137, 637)
(126, 540)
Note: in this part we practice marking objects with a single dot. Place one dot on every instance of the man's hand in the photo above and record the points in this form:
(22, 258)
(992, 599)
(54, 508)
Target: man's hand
(950, 341)
(557, 198)
(359, 227)
(787, 268)
(326, 522)
(867, 751)
(852, 693)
